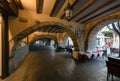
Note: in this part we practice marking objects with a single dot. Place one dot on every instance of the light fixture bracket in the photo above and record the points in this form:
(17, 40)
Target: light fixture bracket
(68, 11)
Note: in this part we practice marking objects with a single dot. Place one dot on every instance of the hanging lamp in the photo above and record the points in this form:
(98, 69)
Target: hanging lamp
(68, 11)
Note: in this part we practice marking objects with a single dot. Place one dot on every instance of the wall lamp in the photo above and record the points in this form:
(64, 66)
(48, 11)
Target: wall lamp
(68, 11)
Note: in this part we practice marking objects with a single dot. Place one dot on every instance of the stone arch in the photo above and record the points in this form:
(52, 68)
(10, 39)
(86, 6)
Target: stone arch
(95, 30)
(39, 25)
(90, 26)
(44, 36)
(65, 38)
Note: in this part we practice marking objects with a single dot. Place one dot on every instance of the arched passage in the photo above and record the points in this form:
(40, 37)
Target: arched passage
(90, 26)
(44, 36)
(67, 40)
(41, 25)
(37, 27)
(93, 33)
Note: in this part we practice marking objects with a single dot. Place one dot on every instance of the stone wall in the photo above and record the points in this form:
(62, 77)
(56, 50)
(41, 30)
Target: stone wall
(92, 43)
(92, 28)
(18, 56)
(78, 30)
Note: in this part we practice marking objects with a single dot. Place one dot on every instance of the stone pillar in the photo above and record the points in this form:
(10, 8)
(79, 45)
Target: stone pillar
(92, 43)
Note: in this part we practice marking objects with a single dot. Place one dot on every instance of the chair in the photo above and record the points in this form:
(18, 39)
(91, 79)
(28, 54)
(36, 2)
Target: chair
(113, 59)
(112, 69)
(92, 57)
(80, 57)
(85, 57)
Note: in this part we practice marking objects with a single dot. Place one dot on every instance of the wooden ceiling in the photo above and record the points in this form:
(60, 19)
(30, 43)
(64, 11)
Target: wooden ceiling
(84, 11)
(52, 29)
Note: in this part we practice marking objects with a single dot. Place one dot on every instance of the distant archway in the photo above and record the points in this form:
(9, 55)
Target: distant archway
(44, 36)
(66, 38)
(94, 31)
(105, 20)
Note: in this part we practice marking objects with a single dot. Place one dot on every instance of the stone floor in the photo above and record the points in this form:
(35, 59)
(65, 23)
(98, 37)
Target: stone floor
(47, 65)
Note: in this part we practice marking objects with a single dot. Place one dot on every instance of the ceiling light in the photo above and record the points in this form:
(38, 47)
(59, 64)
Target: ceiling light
(68, 11)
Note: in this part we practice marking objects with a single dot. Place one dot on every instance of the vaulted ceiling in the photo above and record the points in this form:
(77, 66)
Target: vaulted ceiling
(84, 11)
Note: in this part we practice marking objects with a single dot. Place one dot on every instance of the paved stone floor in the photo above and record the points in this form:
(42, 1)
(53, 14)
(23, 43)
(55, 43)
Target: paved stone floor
(48, 65)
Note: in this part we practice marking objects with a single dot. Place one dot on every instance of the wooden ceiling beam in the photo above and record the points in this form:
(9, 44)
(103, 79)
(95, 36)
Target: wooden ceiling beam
(57, 7)
(41, 29)
(98, 8)
(1, 9)
(56, 2)
(48, 29)
(9, 8)
(44, 29)
(4, 7)
(54, 29)
(57, 31)
(60, 30)
(51, 29)
(19, 4)
(116, 6)
(88, 4)
(39, 6)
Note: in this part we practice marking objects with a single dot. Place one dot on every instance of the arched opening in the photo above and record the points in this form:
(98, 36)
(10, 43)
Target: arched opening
(68, 42)
(53, 39)
(41, 43)
(49, 27)
(49, 30)
(103, 37)
(106, 37)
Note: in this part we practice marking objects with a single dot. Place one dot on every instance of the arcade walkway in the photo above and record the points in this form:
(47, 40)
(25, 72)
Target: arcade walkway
(46, 65)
